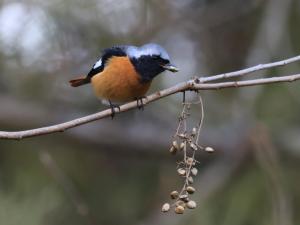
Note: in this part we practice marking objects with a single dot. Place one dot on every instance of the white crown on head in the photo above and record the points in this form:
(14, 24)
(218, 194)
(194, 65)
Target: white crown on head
(147, 50)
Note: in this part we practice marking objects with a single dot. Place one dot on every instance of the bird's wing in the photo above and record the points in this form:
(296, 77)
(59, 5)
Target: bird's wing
(98, 67)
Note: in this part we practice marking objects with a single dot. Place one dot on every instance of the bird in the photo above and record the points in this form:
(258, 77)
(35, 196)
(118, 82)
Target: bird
(124, 73)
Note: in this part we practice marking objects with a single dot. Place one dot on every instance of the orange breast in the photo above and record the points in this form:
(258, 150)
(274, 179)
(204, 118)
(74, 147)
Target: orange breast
(119, 82)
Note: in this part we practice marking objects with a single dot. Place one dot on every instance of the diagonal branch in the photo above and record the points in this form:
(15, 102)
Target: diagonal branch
(190, 85)
(194, 85)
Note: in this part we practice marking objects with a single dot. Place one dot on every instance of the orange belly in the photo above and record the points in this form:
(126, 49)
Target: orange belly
(119, 81)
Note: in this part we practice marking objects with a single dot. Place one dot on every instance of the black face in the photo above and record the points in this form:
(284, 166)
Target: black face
(149, 66)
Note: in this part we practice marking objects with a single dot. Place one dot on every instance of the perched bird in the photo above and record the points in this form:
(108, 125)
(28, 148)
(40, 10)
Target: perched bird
(124, 73)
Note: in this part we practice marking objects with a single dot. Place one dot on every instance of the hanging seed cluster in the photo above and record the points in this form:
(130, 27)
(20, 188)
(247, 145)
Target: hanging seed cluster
(185, 141)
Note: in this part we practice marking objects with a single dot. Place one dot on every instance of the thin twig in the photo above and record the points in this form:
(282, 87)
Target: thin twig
(249, 70)
(201, 119)
(193, 84)
(239, 84)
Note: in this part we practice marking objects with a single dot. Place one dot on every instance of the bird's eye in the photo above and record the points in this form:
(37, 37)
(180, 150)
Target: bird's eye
(160, 60)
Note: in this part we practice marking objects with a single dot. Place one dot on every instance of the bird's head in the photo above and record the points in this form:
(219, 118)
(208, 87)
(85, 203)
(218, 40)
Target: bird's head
(150, 60)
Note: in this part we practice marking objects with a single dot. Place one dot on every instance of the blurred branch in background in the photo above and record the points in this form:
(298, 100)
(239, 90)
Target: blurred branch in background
(267, 158)
(51, 166)
(195, 84)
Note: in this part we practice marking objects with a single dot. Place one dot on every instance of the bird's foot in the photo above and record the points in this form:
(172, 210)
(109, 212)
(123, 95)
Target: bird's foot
(139, 102)
(113, 108)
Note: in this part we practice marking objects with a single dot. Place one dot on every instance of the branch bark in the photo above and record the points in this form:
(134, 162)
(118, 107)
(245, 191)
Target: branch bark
(195, 84)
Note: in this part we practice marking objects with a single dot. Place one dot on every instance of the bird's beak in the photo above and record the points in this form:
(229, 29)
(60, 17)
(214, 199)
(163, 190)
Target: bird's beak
(170, 67)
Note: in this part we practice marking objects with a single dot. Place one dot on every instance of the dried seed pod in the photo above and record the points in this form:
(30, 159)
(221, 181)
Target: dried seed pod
(194, 171)
(185, 200)
(190, 180)
(190, 189)
(179, 209)
(181, 171)
(190, 161)
(173, 150)
(183, 197)
(182, 146)
(183, 136)
(209, 149)
(194, 131)
(175, 145)
(165, 207)
(193, 146)
(180, 203)
(174, 194)
(191, 204)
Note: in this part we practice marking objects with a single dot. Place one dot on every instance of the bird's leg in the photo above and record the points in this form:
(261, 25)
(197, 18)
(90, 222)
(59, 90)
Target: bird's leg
(183, 96)
(113, 108)
(140, 103)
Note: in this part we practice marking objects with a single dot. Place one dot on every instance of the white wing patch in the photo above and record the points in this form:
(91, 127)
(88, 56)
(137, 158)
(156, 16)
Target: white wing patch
(98, 64)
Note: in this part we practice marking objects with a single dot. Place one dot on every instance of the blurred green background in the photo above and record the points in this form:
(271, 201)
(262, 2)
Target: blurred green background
(119, 171)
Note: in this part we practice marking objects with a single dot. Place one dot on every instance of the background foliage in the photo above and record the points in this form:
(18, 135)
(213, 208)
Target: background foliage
(119, 171)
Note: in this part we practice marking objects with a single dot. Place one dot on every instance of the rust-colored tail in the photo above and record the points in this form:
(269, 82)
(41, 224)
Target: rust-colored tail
(80, 81)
